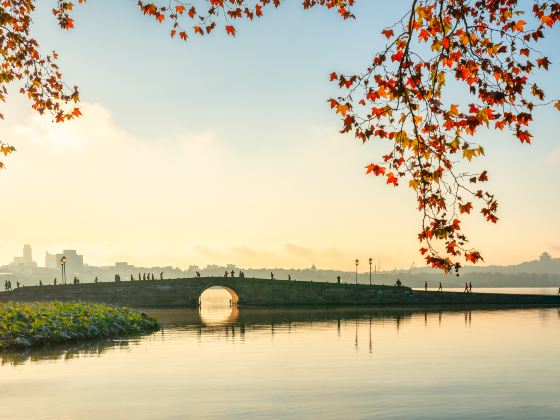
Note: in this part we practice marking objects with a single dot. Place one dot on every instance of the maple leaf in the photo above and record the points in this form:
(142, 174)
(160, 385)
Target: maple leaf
(388, 32)
(230, 30)
(392, 179)
(519, 25)
(397, 56)
(465, 208)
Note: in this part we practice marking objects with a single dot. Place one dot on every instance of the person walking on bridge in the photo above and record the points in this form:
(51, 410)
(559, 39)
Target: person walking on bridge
(440, 289)
(197, 275)
(466, 288)
(271, 275)
(470, 287)
(226, 274)
(232, 274)
(426, 286)
(161, 275)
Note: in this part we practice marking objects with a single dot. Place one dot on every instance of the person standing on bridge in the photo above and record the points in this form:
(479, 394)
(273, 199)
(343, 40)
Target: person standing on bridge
(153, 278)
(289, 278)
(139, 277)
(17, 285)
(426, 286)
(161, 275)
(466, 288)
(470, 287)
(197, 275)
(226, 274)
(144, 277)
(440, 289)
(54, 281)
(131, 277)
(271, 275)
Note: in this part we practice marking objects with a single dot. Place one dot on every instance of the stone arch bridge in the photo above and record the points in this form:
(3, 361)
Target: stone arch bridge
(260, 292)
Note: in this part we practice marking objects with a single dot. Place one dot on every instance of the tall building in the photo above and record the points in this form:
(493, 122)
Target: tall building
(74, 261)
(27, 259)
(50, 260)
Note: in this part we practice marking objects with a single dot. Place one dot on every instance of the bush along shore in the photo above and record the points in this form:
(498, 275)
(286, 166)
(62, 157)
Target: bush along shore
(24, 325)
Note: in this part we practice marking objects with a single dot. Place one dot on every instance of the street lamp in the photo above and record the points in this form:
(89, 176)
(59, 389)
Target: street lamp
(370, 261)
(63, 268)
(357, 262)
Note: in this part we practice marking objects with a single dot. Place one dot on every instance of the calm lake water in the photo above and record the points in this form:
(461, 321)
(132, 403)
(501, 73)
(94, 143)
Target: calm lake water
(227, 363)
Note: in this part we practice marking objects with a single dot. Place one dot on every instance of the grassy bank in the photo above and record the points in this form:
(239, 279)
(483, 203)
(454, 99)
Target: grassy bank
(24, 325)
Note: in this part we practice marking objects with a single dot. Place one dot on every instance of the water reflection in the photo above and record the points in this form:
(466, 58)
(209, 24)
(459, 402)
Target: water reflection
(300, 363)
(64, 351)
(234, 323)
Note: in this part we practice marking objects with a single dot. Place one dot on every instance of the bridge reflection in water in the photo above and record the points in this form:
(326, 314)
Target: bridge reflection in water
(217, 320)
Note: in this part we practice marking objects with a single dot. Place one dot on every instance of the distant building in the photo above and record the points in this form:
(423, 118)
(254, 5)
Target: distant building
(123, 265)
(26, 260)
(50, 260)
(74, 261)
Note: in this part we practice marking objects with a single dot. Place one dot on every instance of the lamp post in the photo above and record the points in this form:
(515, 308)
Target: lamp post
(63, 269)
(357, 262)
(370, 261)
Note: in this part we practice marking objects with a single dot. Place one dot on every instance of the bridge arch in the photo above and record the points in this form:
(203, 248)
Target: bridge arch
(234, 295)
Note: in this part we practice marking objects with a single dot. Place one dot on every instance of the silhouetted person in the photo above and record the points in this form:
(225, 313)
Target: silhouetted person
(95, 281)
(271, 275)
(54, 281)
(17, 285)
(470, 286)
(289, 278)
(241, 275)
(144, 276)
(131, 277)
(466, 288)
(40, 282)
(153, 278)
(226, 274)
(161, 275)
(232, 274)
(139, 278)
(440, 289)
(197, 275)
(338, 279)
(117, 278)
(398, 283)
(426, 286)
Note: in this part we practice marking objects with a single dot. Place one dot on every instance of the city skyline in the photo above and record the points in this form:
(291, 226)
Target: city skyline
(74, 259)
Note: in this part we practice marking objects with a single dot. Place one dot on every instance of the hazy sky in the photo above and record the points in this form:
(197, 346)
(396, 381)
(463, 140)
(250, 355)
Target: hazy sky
(224, 150)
